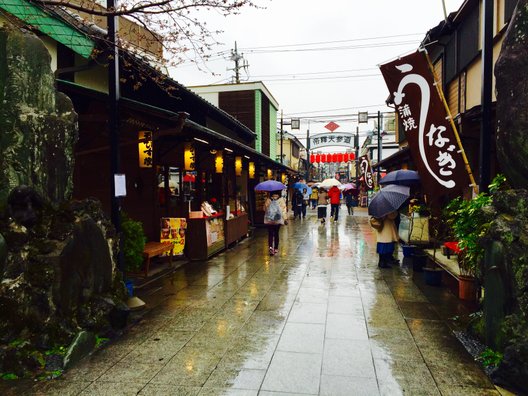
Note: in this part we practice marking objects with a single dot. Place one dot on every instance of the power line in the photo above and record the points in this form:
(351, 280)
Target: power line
(315, 73)
(333, 42)
(343, 108)
(340, 48)
(323, 78)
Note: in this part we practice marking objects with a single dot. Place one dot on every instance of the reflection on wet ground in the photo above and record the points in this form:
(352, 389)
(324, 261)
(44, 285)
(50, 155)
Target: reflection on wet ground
(317, 319)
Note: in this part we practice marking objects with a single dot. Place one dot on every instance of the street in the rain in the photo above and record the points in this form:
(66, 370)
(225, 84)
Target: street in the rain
(319, 318)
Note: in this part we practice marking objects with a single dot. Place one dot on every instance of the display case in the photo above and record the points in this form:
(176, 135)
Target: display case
(414, 229)
(205, 237)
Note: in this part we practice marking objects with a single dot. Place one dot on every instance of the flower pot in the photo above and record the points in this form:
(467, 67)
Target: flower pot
(467, 288)
(419, 261)
(433, 276)
(408, 250)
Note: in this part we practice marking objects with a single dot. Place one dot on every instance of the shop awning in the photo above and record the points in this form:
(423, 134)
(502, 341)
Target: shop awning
(396, 159)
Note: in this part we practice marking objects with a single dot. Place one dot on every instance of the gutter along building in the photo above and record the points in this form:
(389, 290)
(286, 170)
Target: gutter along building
(176, 149)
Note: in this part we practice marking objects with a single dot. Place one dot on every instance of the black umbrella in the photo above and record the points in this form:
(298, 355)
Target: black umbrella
(401, 177)
(387, 200)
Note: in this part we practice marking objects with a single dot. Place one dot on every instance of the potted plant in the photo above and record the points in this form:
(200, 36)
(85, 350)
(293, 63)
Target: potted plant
(133, 243)
(468, 225)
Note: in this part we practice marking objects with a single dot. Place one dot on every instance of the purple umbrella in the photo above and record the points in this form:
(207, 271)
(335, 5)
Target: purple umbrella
(402, 177)
(270, 185)
(387, 200)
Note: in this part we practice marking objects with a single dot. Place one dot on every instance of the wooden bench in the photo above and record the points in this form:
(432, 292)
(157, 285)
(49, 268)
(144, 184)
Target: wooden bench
(154, 249)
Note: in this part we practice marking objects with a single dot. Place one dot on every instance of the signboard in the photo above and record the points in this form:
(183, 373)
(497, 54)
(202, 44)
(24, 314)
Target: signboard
(433, 140)
(332, 139)
(366, 171)
(173, 230)
(332, 126)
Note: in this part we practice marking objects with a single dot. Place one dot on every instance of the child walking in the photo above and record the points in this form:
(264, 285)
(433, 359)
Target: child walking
(275, 215)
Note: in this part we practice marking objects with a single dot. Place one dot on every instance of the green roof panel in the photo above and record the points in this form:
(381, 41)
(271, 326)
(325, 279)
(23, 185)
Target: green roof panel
(49, 25)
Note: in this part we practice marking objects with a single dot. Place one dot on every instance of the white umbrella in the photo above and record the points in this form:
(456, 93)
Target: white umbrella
(327, 183)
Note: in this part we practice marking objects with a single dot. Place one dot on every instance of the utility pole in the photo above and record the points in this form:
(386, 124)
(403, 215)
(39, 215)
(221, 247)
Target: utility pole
(281, 138)
(114, 95)
(379, 143)
(487, 76)
(308, 152)
(236, 57)
(357, 156)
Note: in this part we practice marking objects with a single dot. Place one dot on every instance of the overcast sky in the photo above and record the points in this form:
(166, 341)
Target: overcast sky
(320, 57)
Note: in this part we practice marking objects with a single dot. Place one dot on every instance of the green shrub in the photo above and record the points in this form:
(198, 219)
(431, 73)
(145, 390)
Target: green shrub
(490, 358)
(133, 242)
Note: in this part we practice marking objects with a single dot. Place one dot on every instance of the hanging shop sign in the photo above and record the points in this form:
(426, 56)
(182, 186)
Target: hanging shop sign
(145, 149)
(238, 166)
(433, 139)
(219, 162)
(270, 174)
(189, 154)
(332, 139)
(173, 230)
(366, 171)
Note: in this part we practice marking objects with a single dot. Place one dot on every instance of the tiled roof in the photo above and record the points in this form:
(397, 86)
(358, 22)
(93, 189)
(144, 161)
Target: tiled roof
(49, 25)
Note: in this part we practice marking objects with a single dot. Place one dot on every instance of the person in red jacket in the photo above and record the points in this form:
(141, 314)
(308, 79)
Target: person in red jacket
(335, 201)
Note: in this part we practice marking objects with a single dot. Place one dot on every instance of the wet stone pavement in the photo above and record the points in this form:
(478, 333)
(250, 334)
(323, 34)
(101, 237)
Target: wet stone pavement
(319, 318)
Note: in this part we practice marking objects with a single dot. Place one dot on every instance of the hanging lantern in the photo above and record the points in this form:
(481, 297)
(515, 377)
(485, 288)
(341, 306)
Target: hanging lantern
(318, 158)
(251, 170)
(238, 166)
(323, 158)
(312, 158)
(334, 157)
(340, 157)
(270, 174)
(188, 157)
(145, 149)
(284, 178)
(351, 156)
(219, 162)
(345, 157)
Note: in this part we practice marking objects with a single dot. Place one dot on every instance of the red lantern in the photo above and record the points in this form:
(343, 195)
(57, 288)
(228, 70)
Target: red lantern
(334, 157)
(340, 157)
(312, 158)
(351, 157)
(345, 157)
(318, 158)
(323, 158)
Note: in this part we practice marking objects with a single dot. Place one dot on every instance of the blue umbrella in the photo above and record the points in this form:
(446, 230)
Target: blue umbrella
(401, 177)
(387, 200)
(270, 185)
(300, 186)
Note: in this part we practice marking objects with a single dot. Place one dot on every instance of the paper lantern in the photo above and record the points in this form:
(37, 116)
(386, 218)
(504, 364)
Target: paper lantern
(238, 166)
(251, 170)
(219, 162)
(340, 157)
(284, 178)
(188, 157)
(318, 158)
(145, 149)
(334, 157)
(312, 158)
(270, 174)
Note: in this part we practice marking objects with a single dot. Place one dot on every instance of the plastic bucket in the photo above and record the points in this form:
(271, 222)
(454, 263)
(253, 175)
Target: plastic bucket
(433, 276)
(130, 287)
(408, 250)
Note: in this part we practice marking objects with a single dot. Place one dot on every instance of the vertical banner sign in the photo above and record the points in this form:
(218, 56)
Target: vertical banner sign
(145, 149)
(366, 171)
(432, 137)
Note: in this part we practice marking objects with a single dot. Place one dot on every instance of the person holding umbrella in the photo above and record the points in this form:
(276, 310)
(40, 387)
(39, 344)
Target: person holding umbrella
(322, 203)
(275, 215)
(383, 208)
(335, 201)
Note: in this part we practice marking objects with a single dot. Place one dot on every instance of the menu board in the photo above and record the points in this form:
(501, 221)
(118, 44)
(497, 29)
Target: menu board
(214, 230)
